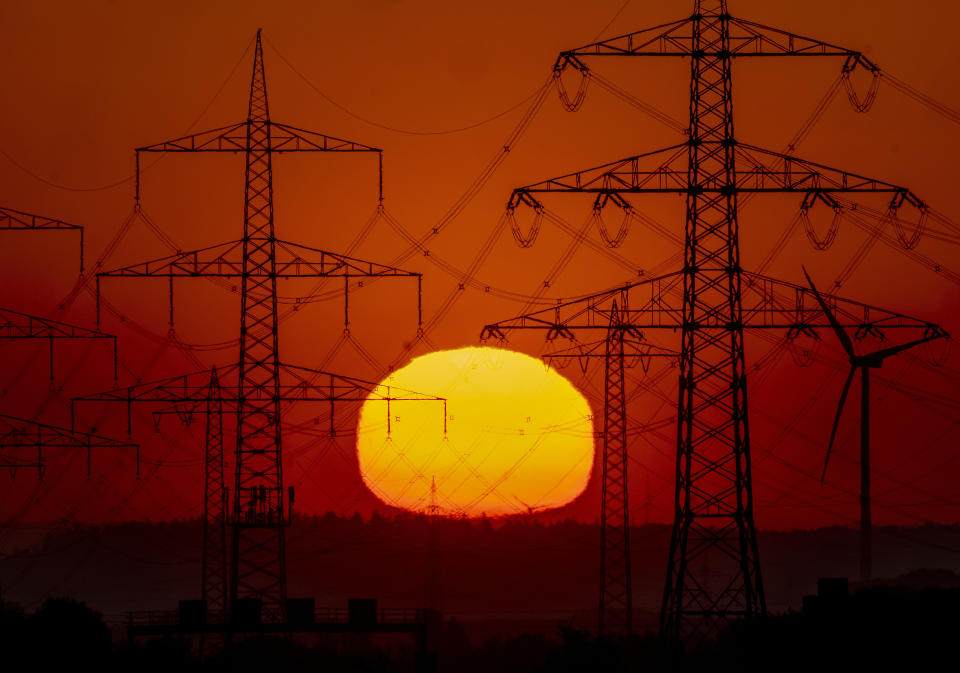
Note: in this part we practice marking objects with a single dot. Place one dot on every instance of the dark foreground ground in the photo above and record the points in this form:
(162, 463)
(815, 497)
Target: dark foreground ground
(517, 595)
(879, 628)
(496, 577)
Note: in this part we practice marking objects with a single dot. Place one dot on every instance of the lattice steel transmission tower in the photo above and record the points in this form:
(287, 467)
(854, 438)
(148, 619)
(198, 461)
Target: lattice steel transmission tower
(713, 520)
(213, 563)
(260, 507)
(18, 434)
(213, 569)
(622, 349)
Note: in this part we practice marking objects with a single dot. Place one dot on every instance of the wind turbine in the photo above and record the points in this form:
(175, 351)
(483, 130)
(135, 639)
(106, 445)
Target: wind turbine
(864, 362)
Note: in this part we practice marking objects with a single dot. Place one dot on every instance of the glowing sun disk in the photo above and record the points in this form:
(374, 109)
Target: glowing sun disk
(519, 436)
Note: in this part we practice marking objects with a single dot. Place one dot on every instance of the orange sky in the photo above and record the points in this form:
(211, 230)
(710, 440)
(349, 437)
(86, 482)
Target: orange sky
(85, 83)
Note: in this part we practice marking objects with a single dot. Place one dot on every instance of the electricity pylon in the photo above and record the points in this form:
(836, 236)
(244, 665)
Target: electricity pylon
(205, 393)
(711, 168)
(623, 346)
(213, 565)
(218, 393)
(19, 433)
(259, 508)
(213, 570)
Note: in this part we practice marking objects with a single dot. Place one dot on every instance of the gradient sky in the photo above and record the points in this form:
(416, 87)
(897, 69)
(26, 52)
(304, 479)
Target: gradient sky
(86, 82)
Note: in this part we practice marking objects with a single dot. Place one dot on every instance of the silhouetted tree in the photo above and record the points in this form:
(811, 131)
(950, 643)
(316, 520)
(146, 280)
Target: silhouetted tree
(64, 632)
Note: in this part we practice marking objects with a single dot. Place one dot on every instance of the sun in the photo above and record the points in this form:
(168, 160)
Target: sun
(519, 436)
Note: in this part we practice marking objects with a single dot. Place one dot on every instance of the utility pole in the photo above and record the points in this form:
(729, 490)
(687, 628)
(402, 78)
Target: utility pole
(713, 508)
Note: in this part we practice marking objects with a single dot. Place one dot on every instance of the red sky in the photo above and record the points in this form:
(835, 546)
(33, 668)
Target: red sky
(85, 83)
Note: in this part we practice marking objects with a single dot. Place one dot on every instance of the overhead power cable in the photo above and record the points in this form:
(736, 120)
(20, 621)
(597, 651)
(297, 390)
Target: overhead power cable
(131, 176)
(927, 101)
(395, 129)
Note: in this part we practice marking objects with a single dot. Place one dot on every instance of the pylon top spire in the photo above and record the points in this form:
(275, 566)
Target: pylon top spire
(259, 110)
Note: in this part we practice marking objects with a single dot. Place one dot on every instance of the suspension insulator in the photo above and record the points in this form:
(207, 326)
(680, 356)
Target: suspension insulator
(861, 104)
(803, 355)
(575, 103)
(817, 242)
(911, 241)
(584, 362)
(617, 240)
(528, 239)
(559, 361)
(937, 354)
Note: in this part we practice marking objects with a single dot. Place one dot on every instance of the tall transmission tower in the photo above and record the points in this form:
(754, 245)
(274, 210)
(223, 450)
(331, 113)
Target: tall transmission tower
(207, 393)
(260, 509)
(623, 347)
(19, 434)
(214, 563)
(717, 299)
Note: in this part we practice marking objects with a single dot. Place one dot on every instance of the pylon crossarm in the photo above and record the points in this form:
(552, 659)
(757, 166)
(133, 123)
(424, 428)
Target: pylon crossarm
(12, 463)
(224, 260)
(231, 138)
(185, 393)
(304, 383)
(666, 171)
(663, 170)
(777, 304)
(15, 325)
(746, 38)
(18, 433)
(668, 39)
(634, 346)
(283, 138)
(286, 138)
(755, 172)
(186, 387)
(186, 410)
(15, 219)
(635, 349)
(302, 260)
(11, 220)
(656, 303)
(642, 305)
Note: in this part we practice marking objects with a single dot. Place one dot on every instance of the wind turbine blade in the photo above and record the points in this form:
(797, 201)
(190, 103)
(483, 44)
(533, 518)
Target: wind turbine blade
(893, 350)
(841, 334)
(836, 421)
